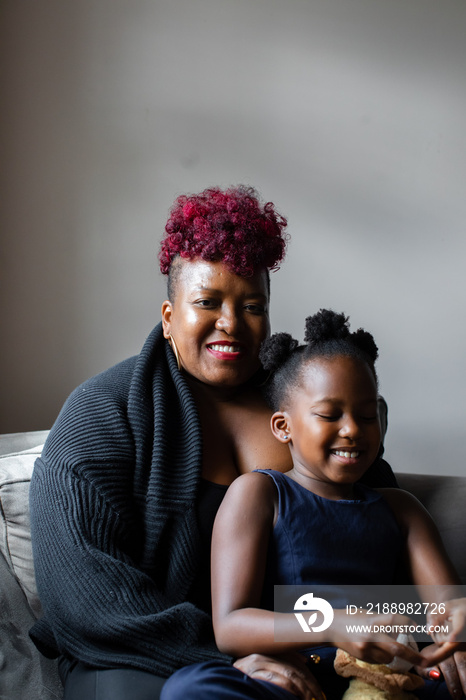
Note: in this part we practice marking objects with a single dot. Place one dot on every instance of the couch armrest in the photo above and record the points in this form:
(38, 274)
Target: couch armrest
(17, 442)
(25, 673)
(15, 537)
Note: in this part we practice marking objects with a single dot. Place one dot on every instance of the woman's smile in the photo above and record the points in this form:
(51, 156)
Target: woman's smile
(226, 351)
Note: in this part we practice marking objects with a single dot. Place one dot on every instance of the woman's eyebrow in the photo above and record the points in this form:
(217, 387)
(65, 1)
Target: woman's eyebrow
(337, 399)
(201, 288)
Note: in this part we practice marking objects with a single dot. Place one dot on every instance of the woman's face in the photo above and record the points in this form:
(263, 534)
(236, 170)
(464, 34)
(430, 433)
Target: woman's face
(218, 321)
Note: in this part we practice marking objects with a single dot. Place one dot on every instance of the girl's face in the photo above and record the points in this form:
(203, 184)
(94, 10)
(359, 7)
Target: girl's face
(218, 321)
(332, 421)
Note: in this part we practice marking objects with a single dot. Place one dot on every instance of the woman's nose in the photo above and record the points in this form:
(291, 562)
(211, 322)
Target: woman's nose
(228, 320)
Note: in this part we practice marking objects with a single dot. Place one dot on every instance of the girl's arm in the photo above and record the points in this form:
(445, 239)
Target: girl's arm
(430, 565)
(427, 561)
(240, 539)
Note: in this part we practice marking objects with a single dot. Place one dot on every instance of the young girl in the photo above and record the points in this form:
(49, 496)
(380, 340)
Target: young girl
(316, 525)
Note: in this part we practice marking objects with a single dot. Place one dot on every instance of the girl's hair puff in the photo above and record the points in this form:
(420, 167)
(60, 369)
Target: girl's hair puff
(276, 350)
(327, 335)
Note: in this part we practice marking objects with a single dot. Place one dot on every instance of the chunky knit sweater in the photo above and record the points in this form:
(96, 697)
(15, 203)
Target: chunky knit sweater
(114, 529)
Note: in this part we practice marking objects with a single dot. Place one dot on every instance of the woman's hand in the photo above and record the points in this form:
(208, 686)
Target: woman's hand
(448, 656)
(288, 671)
(453, 669)
(454, 672)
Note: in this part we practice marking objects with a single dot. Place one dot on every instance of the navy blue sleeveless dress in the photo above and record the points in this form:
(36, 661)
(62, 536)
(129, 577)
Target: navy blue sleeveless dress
(319, 541)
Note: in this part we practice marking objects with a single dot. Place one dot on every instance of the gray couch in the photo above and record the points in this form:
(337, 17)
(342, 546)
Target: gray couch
(24, 673)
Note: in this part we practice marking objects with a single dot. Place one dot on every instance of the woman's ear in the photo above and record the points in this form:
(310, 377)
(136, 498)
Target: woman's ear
(280, 426)
(166, 318)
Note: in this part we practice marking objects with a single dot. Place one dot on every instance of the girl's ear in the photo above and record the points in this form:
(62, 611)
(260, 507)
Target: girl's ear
(166, 318)
(280, 426)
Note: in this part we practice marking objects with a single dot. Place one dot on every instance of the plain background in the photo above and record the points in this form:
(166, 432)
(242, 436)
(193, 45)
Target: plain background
(349, 114)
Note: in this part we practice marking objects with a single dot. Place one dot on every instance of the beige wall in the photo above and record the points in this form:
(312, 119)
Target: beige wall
(349, 114)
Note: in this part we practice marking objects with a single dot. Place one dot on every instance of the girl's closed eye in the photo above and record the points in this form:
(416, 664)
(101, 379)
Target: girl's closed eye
(327, 416)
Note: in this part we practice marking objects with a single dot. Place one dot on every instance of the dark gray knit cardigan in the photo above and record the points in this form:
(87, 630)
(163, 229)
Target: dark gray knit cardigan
(113, 521)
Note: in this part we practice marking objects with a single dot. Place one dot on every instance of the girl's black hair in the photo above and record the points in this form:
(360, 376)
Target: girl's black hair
(326, 335)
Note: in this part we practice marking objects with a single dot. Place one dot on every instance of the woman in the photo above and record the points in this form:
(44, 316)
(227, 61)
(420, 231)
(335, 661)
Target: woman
(125, 493)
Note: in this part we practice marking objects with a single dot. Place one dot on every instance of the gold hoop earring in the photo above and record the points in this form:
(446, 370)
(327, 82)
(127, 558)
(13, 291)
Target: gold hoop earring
(175, 351)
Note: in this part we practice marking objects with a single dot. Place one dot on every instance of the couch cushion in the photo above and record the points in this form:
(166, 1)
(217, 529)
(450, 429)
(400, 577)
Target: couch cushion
(15, 537)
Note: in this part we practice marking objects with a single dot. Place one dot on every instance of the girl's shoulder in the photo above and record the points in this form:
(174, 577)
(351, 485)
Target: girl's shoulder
(251, 500)
(399, 496)
(251, 492)
(256, 482)
(406, 507)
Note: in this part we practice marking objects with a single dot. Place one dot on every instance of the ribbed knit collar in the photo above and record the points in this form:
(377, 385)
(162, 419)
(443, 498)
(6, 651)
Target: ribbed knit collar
(168, 454)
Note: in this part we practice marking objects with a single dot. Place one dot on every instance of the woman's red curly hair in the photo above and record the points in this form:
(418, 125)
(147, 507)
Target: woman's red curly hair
(231, 226)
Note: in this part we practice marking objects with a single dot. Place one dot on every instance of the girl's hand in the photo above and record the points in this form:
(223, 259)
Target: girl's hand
(375, 648)
(449, 642)
(453, 669)
(288, 671)
(454, 617)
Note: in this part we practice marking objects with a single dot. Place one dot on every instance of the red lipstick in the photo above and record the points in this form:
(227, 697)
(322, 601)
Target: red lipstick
(224, 350)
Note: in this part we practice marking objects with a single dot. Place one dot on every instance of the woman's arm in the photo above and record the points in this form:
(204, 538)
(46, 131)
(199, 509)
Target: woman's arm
(102, 605)
(103, 609)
